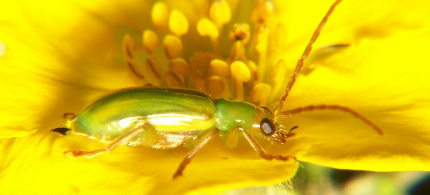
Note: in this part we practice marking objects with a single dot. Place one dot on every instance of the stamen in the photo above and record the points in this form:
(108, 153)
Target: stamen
(220, 13)
(173, 80)
(253, 68)
(263, 34)
(240, 32)
(153, 72)
(135, 73)
(260, 92)
(220, 68)
(205, 27)
(150, 40)
(180, 67)
(238, 52)
(262, 11)
(261, 48)
(172, 46)
(200, 82)
(241, 73)
(215, 86)
(128, 46)
(178, 23)
(160, 14)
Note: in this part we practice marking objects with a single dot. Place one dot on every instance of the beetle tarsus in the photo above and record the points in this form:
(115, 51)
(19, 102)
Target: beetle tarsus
(277, 157)
(84, 153)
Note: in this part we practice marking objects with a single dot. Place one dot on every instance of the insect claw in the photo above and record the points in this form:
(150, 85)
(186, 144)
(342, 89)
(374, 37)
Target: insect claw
(293, 157)
(71, 154)
(88, 154)
(285, 158)
(291, 135)
(177, 174)
(61, 130)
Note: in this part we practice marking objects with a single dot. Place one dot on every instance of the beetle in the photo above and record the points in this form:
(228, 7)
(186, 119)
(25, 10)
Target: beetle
(164, 118)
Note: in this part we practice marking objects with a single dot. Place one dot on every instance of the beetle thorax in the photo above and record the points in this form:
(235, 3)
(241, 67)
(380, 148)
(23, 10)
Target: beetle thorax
(232, 113)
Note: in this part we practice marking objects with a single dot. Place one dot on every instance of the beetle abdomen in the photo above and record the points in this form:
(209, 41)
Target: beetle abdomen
(166, 109)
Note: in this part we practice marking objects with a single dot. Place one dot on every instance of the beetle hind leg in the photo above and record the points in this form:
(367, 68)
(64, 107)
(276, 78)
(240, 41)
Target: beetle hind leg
(202, 141)
(113, 145)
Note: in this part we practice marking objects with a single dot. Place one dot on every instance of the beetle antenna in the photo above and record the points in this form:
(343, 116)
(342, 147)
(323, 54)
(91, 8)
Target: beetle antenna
(304, 56)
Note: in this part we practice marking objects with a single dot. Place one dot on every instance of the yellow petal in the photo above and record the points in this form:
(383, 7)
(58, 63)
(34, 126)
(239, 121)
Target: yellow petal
(58, 62)
(37, 162)
(45, 68)
(383, 75)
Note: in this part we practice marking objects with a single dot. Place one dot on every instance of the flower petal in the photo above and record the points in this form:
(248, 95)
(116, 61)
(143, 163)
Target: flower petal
(58, 57)
(386, 80)
(47, 59)
(37, 162)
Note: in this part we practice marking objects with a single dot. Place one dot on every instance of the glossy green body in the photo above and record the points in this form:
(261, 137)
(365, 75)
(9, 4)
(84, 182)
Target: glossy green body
(232, 113)
(176, 114)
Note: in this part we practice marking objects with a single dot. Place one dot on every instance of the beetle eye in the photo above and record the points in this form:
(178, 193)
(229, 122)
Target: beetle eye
(267, 127)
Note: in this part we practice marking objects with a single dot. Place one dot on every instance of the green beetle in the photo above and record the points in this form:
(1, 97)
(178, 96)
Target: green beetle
(165, 118)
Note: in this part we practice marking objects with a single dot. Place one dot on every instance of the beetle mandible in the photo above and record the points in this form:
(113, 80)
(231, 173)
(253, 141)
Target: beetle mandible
(164, 118)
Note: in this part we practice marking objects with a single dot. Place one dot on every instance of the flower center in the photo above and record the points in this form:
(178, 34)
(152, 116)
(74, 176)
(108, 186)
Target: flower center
(211, 52)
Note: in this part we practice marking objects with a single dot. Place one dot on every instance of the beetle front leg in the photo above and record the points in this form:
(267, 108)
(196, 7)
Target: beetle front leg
(260, 150)
(202, 141)
(114, 144)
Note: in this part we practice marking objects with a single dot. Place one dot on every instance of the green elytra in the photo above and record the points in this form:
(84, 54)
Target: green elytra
(166, 118)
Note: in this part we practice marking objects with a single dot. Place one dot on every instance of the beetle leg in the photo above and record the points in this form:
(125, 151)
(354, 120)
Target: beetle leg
(260, 150)
(199, 145)
(111, 146)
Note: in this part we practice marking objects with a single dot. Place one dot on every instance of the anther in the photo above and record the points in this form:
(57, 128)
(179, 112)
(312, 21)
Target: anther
(180, 67)
(215, 86)
(160, 14)
(128, 46)
(153, 72)
(134, 72)
(178, 23)
(173, 80)
(205, 27)
(260, 92)
(262, 40)
(241, 73)
(150, 40)
(240, 32)
(220, 68)
(220, 13)
(262, 10)
(172, 46)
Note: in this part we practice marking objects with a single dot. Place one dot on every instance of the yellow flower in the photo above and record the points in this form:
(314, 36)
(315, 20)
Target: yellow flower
(57, 57)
